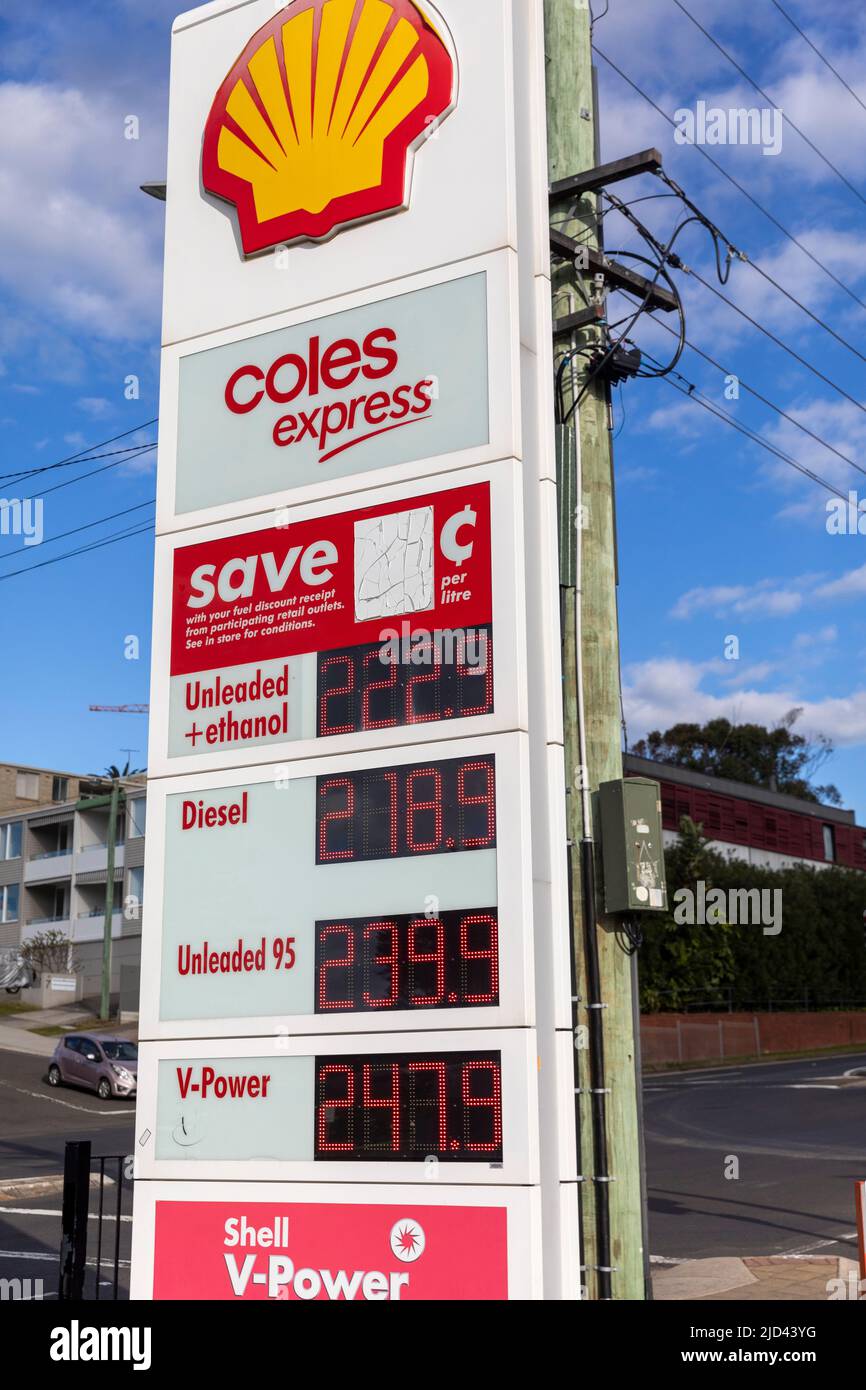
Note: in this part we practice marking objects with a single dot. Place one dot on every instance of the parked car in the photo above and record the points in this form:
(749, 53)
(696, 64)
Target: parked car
(108, 1066)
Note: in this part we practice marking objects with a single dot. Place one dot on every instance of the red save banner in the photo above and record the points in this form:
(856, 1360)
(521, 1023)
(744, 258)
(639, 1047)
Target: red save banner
(298, 1251)
(334, 581)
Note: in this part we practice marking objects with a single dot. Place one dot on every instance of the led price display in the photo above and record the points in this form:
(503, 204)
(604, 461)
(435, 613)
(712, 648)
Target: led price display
(450, 961)
(446, 1106)
(392, 812)
(440, 676)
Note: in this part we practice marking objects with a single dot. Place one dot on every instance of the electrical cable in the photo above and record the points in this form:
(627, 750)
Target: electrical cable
(765, 400)
(660, 272)
(84, 455)
(745, 192)
(828, 381)
(86, 527)
(82, 477)
(694, 394)
(734, 252)
(82, 550)
(814, 49)
(678, 264)
(769, 100)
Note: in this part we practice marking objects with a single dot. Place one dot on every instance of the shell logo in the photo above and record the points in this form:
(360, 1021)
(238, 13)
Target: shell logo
(315, 126)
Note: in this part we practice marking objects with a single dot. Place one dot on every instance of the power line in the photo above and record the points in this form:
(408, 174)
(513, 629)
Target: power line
(778, 341)
(814, 49)
(84, 454)
(86, 527)
(766, 97)
(82, 550)
(765, 400)
(693, 394)
(733, 251)
(82, 477)
(745, 192)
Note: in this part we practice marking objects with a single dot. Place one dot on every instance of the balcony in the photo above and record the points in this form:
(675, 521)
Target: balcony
(43, 868)
(90, 926)
(35, 926)
(92, 858)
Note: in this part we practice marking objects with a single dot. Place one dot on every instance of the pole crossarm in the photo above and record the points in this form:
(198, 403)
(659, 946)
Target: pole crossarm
(617, 275)
(646, 162)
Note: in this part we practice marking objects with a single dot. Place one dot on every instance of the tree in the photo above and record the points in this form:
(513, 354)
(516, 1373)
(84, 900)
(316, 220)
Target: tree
(115, 773)
(49, 951)
(777, 759)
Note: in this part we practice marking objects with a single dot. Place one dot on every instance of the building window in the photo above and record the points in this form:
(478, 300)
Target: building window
(136, 886)
(27, 786)
(9, 902)
(829, 844)
(10, 840)
(60, 789)
(137, 816)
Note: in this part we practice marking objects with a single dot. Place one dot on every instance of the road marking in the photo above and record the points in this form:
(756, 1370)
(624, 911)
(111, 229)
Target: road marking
(41, 1211)
(40, 1095)
(803, 1086)
(802, 1251)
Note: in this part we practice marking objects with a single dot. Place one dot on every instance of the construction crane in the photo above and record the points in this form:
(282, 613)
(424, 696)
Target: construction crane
(120, 709)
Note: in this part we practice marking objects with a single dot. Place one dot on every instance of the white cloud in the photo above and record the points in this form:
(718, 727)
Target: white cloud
(97, 407)
(850, 585)
(763, 600)
(663, 692)
(73, 244)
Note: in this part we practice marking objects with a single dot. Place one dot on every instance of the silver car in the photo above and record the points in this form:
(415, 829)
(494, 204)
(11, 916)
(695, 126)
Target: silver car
(108, 1066)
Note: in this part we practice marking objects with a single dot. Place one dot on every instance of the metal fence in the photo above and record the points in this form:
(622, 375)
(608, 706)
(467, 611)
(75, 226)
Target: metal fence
(97, 1210)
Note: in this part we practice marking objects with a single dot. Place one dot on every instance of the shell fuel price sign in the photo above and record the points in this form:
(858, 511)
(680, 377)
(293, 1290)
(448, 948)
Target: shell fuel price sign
(355, 1077)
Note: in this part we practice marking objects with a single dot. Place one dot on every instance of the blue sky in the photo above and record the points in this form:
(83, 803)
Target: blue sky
(717, 538)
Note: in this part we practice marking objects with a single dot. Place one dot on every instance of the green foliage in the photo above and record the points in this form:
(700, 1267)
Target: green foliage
(49, 952)
(776, 759)
(819, 956)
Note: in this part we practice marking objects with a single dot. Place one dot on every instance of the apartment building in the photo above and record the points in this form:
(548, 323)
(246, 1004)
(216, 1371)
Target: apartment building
(23, 788)
(53, 876)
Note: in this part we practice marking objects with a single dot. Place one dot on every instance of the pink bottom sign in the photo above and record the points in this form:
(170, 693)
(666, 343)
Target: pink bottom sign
(298, 1250)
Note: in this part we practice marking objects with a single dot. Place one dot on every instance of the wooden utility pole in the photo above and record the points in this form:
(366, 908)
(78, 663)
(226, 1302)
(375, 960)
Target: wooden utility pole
(610, 1136)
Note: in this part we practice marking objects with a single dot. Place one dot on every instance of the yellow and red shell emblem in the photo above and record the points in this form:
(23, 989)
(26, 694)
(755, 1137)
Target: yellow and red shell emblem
(316, 123)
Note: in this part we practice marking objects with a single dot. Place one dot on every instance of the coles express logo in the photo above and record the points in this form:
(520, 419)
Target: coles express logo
(342, 366)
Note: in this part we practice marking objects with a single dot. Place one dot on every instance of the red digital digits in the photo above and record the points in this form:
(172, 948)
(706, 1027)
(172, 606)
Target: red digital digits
(405, 962)
(384, 813)
(410, 1106)
(359, 691)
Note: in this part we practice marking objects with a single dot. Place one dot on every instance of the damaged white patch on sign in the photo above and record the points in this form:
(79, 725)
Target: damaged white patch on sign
(394, 564)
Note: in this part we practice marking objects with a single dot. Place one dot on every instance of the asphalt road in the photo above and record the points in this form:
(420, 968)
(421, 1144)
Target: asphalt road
(35, 1123)
(800, 1141)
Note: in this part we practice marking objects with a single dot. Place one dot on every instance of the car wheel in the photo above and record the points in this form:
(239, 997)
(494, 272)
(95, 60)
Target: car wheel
(15, 989)
(103, 1090)
(54, 1075)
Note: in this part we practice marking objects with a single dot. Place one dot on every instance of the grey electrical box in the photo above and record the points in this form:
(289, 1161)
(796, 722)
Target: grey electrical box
(631, 846)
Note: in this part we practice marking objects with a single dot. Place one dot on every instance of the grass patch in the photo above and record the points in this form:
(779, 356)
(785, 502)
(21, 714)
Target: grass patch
(84, 1025)
(9, 1005)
